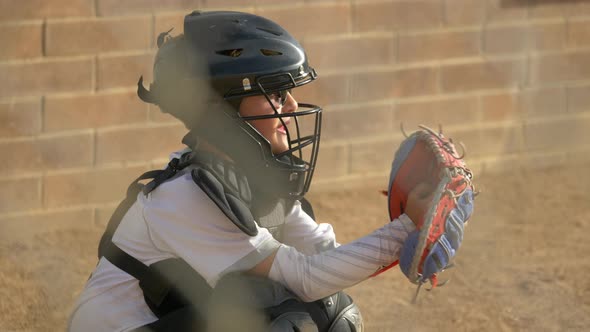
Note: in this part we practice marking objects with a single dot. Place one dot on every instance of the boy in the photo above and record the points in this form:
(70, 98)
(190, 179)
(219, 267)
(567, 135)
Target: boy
(223, 239)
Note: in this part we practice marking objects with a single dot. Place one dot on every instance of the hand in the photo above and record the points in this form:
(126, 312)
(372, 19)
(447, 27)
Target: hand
(418, 200)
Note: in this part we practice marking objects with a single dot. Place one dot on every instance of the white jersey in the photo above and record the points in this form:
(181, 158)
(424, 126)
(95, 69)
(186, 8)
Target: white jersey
(179, 220)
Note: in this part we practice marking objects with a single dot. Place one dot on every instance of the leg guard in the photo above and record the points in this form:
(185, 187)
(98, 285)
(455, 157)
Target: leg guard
(291, 315)
(336, 313)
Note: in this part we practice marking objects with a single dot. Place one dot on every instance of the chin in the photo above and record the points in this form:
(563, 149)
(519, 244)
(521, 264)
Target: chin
(280, 149)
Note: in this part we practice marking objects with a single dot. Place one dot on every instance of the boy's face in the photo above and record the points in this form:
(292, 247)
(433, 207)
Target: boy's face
(272, 129)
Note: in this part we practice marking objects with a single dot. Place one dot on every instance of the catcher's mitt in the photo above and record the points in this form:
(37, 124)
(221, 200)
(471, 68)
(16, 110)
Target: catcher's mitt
(427, 156)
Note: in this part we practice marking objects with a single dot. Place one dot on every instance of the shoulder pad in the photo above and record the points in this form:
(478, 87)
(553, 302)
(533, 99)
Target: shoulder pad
(230, 204)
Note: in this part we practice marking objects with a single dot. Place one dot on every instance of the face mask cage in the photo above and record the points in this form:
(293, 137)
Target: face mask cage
(303, 131)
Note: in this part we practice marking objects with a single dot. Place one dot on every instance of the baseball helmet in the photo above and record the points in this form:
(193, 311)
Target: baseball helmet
(201, 76)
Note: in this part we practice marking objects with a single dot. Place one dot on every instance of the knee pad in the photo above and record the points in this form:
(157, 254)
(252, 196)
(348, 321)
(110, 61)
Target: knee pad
(337, 313)
(291, 315)
(293, 321)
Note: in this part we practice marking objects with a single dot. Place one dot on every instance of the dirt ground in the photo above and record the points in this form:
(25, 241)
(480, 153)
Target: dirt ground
(523, 266)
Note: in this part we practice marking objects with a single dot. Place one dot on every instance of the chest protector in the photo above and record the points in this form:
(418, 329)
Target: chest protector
(243, 204)
(171, 284)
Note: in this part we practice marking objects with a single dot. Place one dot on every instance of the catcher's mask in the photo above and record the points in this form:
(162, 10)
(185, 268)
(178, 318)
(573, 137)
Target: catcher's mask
(201, 77)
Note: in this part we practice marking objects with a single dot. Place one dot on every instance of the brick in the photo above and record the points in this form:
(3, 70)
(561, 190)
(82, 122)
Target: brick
(34, 9)
(319, 19)
(578, 33)
(224, 4)
(493, 166)
(415, 82)
(502, 10)
(470, 138)
(128, 7)
(559, 67)
(399, 83)
(578, 98)
(445, 112)
(464, 12)
(580, 156)
(272, 2)
(398, 15)
(351, 52)
(160, 163)
(557, 133)
(103, 214)
(124, 70)
(20, 194)
(138, 144)
(548, 9)
(93, 111)
(528, 103)
(167, 21)
(47, 153)
(488, 141)
(544, 102)
(98, 36)
(438, 45)
(45, 76)
(550, 36)
(505, 39)
(370, 157)
(501, 107)
(549, 68)
(27, 227)
(91, 187)
(326, 90)
(333, 162)
(496, 141)
(20, 40)
(578, 8)
(20, 118)
(259, 3)
(520, 38)
(362, 121)
(482, 75)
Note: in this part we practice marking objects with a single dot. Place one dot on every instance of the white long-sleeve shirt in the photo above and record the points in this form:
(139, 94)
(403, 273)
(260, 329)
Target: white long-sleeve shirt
(180, 220)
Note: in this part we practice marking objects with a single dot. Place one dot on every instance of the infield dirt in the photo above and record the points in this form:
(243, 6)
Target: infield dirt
(523, 265)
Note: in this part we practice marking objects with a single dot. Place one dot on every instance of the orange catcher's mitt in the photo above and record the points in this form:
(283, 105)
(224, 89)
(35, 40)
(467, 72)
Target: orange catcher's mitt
(428, 157)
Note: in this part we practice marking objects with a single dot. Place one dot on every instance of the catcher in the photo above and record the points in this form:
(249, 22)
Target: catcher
(223, 239)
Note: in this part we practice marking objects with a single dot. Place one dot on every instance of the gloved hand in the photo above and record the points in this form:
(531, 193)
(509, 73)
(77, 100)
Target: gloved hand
(431, 184)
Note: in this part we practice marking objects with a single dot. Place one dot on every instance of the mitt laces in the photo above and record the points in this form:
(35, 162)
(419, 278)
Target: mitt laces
(447, 145)
(433, 283)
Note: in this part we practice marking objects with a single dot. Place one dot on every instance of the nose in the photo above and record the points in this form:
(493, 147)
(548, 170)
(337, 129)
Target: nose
(290, 105)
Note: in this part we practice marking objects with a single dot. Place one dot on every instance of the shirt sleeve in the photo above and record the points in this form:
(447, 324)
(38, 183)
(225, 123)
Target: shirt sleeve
(183, 220)
(305, 234)
(314, 277)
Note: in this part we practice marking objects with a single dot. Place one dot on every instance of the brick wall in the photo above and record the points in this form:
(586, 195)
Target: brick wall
(510, 78)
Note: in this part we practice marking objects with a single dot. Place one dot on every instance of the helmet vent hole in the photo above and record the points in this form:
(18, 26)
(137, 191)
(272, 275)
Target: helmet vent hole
(234, 53)
(271, 31)
(270, 52)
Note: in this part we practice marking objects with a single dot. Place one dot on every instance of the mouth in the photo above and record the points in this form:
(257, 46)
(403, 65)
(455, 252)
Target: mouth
(282, 129)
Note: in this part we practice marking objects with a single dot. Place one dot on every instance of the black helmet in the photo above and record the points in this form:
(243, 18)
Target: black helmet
(200, 77)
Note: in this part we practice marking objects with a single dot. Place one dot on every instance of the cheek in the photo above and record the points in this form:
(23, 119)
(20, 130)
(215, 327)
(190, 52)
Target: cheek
(266, 127)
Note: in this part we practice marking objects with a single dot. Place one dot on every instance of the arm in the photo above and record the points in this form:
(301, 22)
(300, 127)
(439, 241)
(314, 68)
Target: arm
(315, 276)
